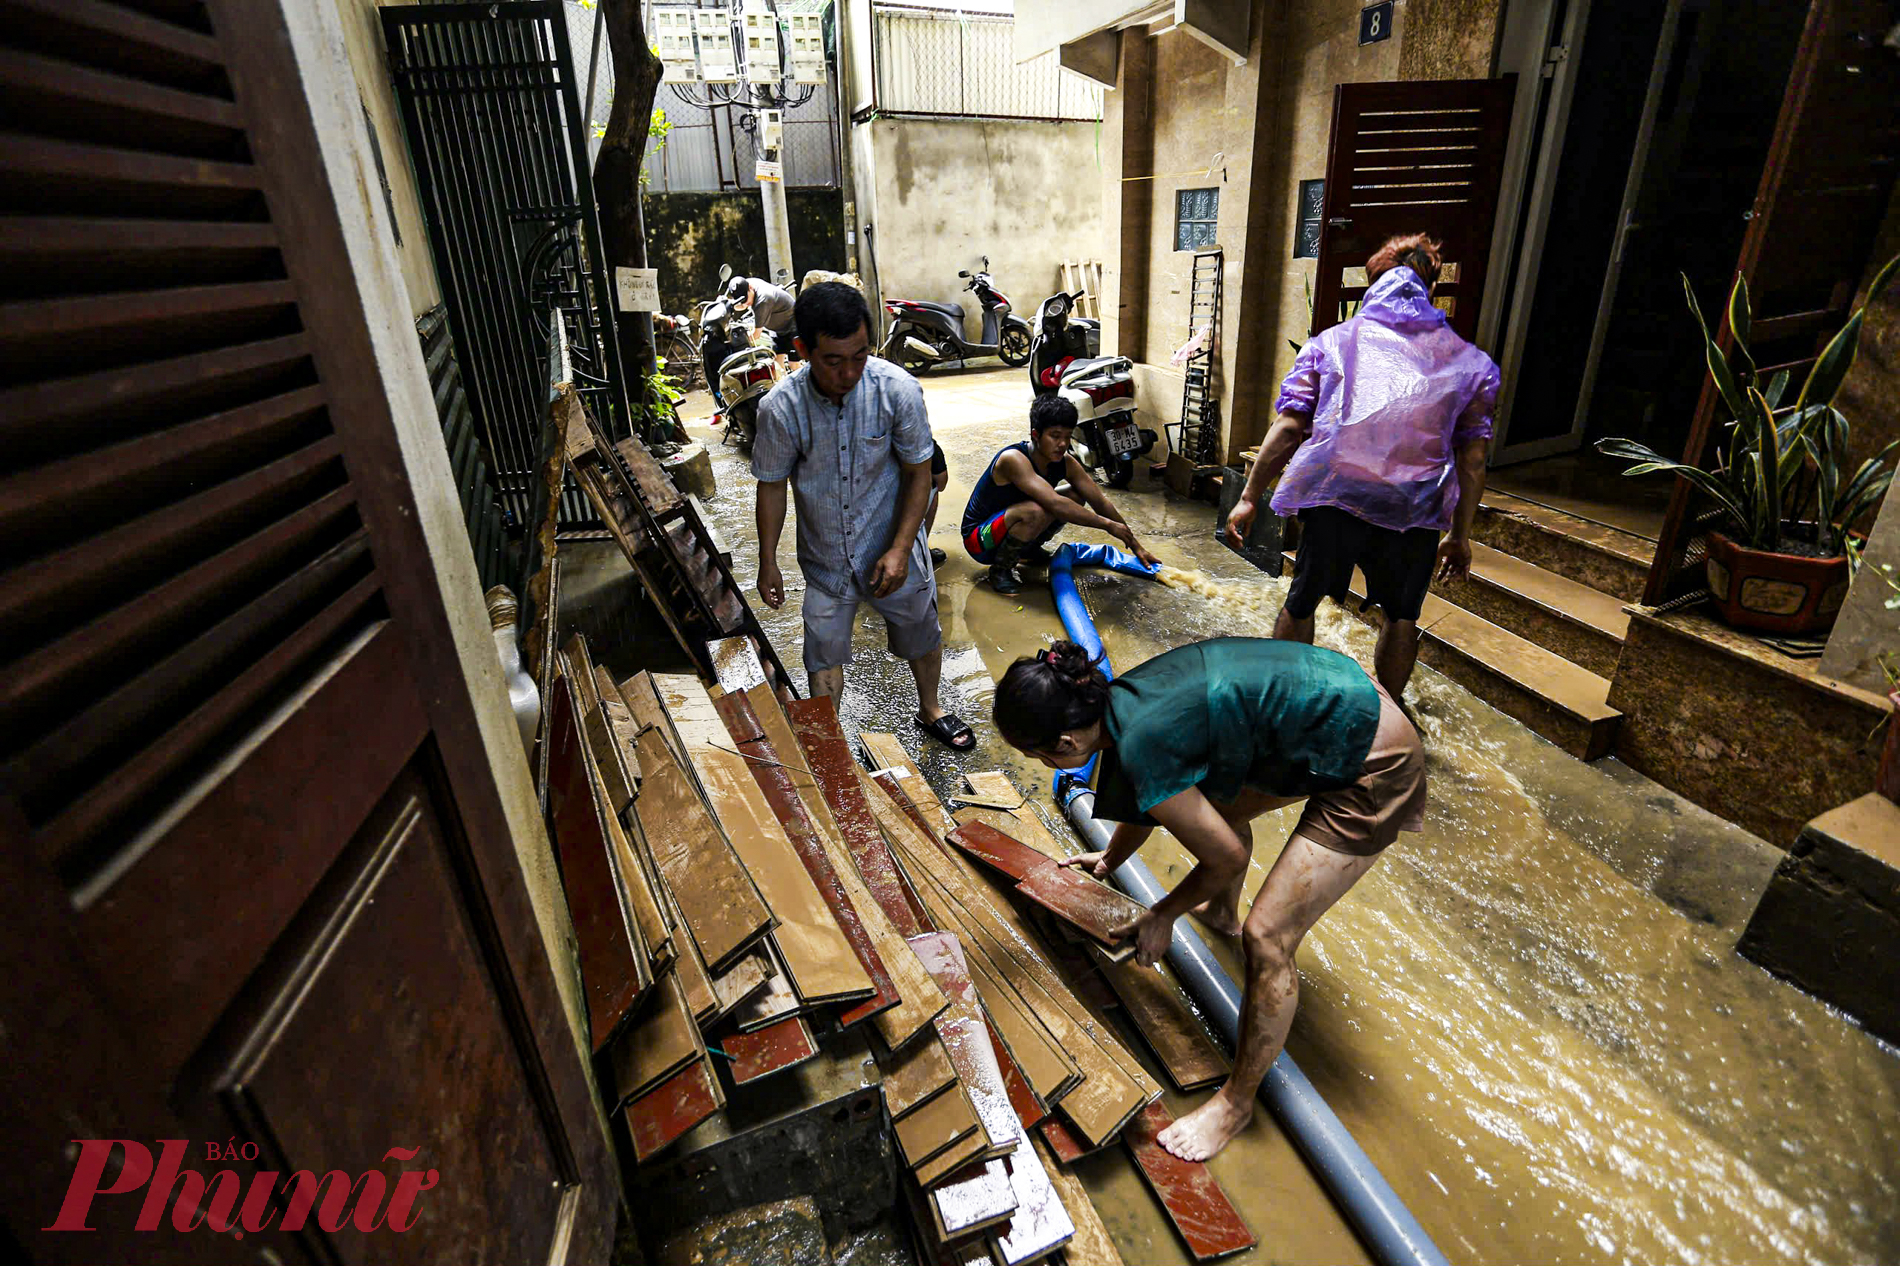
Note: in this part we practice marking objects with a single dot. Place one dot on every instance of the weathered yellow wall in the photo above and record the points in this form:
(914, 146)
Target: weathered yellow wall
(369, 62)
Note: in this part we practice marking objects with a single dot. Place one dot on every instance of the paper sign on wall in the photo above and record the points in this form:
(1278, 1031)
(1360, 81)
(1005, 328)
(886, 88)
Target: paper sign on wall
(638, 288)
(769, 171)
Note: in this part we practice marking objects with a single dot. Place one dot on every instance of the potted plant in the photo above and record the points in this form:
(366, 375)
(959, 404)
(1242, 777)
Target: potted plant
(1783, 508)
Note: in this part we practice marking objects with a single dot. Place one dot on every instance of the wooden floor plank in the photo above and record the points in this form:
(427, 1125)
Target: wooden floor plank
(658, 1043)
(1163, 1016)
(888, 752)
(1022, 1100)
(915, 1074)
(615, 972)
(772, 1002)
(741, 982)
(775, 783)
(658, 1118)
(1206, 1219)
(1091, 1245)
(723, 910)
(1104, 915)
(1040, 1223)
(811, 944)
(966, 1040)
(828, 757)
(919, 999)
(954, 1163)
(769, 1050)
(964, 1206)
(995, 849)
(933, 1127)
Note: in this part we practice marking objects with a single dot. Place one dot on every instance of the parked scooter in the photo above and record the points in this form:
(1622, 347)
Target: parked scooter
(1063, 359)
(742, 371)
(924, 334)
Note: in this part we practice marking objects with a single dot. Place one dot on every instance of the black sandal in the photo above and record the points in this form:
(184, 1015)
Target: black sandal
(949, 730)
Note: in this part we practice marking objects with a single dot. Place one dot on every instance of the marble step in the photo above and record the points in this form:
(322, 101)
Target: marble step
(1586, 626)
(1563, 702)
(1604, 558)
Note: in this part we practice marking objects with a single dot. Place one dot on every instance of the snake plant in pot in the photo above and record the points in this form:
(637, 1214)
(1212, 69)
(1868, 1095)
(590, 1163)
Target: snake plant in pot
(1783, 502)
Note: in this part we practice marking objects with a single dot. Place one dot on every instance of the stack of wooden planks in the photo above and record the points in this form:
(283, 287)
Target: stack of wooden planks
(742, 887)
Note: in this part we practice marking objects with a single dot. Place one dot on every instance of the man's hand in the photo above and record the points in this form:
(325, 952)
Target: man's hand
(771, 584)
(1240, 520)
(1454, 558)
(1153, 934)
(1095, 864)
(888, 573)
(1126, 535)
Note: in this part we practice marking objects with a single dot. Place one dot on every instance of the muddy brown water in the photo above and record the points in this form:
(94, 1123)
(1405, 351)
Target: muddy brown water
(1530, 1015)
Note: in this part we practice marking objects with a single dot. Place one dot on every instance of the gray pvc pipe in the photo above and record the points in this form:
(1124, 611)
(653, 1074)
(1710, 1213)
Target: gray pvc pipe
(1388, 1228)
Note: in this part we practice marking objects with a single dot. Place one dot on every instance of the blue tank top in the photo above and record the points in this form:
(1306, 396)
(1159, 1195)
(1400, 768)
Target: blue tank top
(989, 498)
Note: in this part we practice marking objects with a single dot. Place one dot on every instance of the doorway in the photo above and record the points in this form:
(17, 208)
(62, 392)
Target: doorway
(1656, 126)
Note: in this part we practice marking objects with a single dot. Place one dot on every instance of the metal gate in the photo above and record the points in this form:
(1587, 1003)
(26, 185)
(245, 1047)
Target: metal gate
(499, 146)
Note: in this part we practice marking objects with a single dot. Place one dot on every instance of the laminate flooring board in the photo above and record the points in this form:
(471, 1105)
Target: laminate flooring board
(915, 1074)
(1066, 1142)
(998, 850)
(615, 972)
(1161, 1013)
(1040, 1223)
(972, 1250)
(656, 882)
(1109, 1094)
(1022, 1100)
(697, 983)
(621, 727)
(643, 702)
(993, 789)
(1105, 916)
(741, 982)
(772, 1002)
(658, 1118)
(1091, 1245)
(935, 1126)
(966, 1039)
(893, 787)
(641, 901)
(1201, 1212)
(658, 1043)
(814, 949)
(690, 709)
(964, 1206)
(736, 664)
(775, 782)
(769, 1050)
(961, 1160)
(723, 910)
(888, 752)
(828, 757)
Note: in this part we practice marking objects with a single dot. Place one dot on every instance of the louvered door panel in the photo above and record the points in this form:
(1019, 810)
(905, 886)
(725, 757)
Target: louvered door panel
(1413, 157)
(220, 735)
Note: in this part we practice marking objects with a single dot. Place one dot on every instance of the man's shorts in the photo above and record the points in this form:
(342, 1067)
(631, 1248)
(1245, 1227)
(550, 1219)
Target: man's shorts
(910, 619)
(938, 466)
(983, 539)
(1397, 565)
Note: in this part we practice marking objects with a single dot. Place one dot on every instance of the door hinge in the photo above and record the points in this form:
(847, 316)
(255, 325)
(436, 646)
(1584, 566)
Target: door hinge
(1553, 58)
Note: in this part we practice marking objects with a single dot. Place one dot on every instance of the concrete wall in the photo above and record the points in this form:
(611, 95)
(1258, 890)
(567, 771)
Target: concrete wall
(689, 235)
(369, 63)
(946, 192)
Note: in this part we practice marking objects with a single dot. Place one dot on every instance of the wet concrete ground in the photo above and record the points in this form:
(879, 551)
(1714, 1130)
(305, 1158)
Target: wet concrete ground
(1530, 1015)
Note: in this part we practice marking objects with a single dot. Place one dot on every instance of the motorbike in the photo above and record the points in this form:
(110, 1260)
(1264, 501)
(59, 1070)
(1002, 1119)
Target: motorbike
(741, 370)
(924, 334)
(1064, 359)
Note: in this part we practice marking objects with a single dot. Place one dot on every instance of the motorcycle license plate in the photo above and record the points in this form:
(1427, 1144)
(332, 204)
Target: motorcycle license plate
(1123, 439)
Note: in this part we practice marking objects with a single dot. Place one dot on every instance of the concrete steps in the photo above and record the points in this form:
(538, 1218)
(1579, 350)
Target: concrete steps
(1603, 558)
(1562, 701)
(1586, 626)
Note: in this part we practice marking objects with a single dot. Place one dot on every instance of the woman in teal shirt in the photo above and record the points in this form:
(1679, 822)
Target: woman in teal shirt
(1201, 740)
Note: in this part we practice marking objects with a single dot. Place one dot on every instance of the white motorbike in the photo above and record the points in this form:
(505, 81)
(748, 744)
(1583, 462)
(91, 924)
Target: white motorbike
(1062, 359)
(746, 369)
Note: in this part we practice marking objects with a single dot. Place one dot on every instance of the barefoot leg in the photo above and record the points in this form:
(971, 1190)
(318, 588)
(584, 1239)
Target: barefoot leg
(1304, 883)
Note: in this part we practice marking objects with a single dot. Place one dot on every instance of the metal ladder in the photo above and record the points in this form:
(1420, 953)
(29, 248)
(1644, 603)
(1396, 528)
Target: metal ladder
(1200, 392)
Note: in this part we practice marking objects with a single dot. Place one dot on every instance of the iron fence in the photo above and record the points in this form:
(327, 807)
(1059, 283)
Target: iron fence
(499, 145)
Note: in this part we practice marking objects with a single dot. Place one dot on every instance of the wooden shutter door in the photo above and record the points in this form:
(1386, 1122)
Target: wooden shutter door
(257, 881)
(1413, 157)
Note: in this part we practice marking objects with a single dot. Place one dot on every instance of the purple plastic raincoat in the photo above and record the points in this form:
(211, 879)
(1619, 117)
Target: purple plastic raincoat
(1392, 395)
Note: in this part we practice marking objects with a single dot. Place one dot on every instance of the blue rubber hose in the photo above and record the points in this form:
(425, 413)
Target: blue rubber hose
(1380, 1218)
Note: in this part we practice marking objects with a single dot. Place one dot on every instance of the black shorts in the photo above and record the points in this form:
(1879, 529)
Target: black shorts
(938, 466)
(1397, 565)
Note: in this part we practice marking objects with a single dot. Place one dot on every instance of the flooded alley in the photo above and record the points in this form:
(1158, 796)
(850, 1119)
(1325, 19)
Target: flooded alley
(1530, 1016)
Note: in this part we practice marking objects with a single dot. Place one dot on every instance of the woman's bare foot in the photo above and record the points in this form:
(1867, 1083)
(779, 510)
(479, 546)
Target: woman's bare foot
(1208, 1128)
(1218, 915)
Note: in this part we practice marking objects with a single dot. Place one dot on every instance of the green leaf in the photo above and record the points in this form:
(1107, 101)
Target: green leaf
(1766, 456)
(1649, 461)
(1718, 363)
(1739, 315)
(1830, 370)
(1777, 387)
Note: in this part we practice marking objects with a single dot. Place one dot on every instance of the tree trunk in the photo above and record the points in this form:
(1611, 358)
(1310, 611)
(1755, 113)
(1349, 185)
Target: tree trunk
(617, 190)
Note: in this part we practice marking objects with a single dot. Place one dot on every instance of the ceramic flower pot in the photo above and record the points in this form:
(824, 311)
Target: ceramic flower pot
(1776, 593)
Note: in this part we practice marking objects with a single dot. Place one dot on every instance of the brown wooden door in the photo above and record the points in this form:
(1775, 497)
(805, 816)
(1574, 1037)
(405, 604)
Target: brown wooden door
(1827, 183)
(1413, 157)
(257, 881)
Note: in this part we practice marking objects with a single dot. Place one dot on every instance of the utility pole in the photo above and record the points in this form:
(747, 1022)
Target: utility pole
(771, 174)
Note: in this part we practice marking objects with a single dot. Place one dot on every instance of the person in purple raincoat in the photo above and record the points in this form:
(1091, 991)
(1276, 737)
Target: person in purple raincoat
(1383, 429)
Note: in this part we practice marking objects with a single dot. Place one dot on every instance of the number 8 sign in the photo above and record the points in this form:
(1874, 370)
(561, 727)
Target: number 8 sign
(1375, 23)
